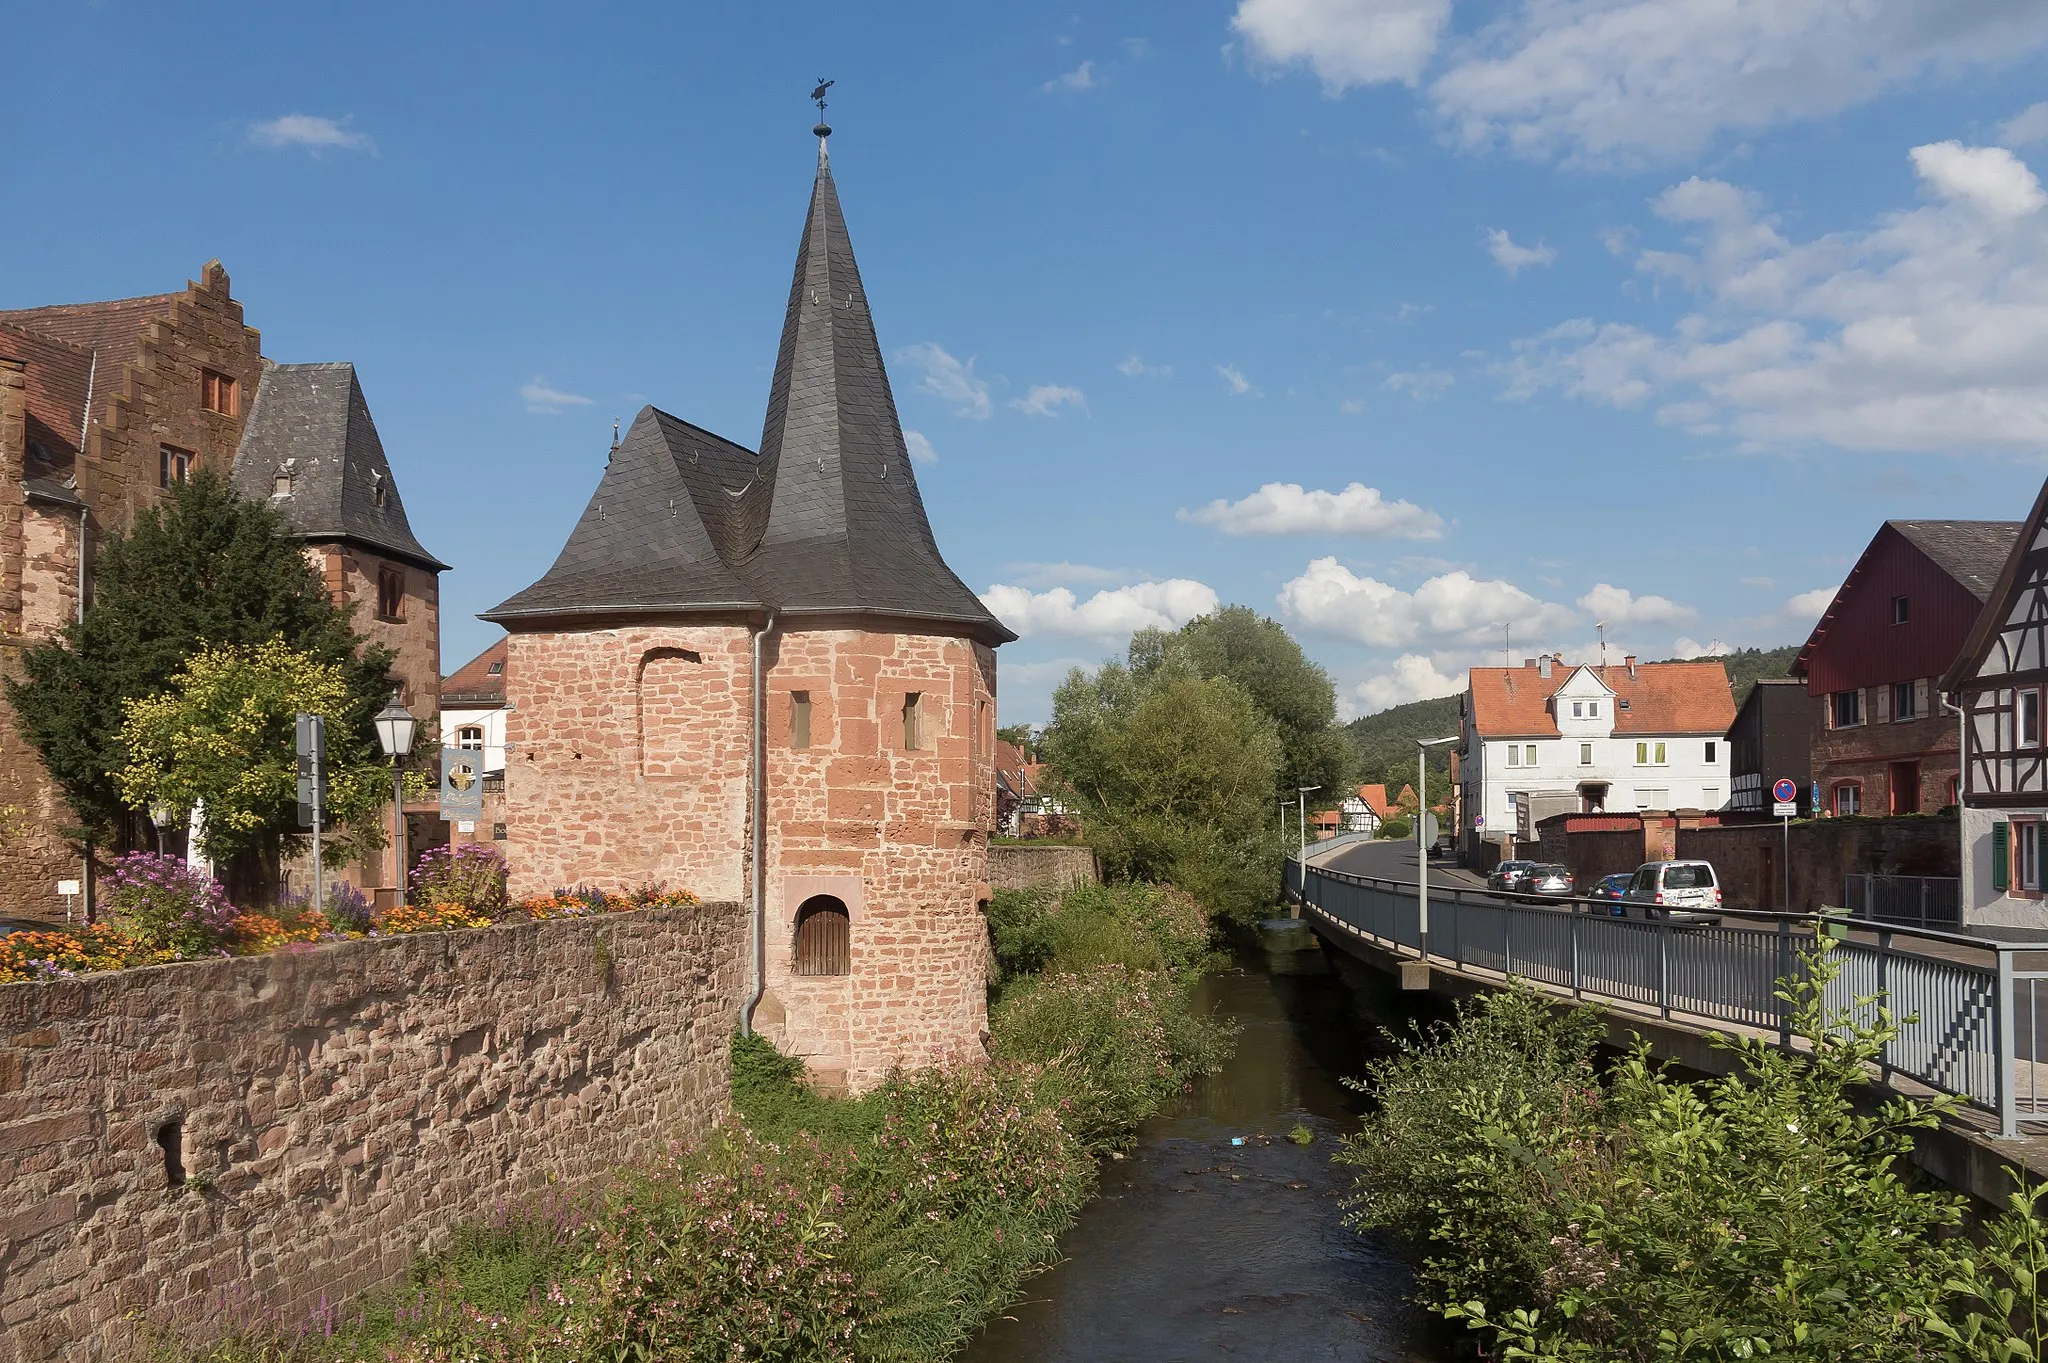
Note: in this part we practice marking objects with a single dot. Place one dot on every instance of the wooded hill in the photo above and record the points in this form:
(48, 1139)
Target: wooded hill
(1385, 743)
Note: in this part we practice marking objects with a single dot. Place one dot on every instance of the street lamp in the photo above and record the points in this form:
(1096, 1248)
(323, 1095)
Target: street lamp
(163, 816)
(395, 728)
(1301, 794)
(1422, 746)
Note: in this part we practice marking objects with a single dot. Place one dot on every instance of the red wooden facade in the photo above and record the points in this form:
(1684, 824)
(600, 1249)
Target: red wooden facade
(1856, 644)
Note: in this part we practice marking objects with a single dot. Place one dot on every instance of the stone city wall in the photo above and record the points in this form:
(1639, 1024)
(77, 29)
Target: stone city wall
(294, 1127)
(1013, 866)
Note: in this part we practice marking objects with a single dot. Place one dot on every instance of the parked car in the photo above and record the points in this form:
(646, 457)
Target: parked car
(1550, 880)
(1679, 891)
(1509, 875)
(1609, 891)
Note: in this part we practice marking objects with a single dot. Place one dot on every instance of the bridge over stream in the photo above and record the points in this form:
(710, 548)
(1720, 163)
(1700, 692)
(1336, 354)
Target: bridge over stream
(1977, 1028)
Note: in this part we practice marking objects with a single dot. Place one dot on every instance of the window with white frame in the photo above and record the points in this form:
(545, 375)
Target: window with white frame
(1710, 754)
(470, 736)
(1848, 799)
(1514, 754)
(1529, 755)
(1578, 709)
(1592, 709)
(1651, 755)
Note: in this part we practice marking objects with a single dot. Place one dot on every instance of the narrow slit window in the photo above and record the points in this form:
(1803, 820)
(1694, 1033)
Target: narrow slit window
(913, 721)
(799, 719)
(390, 594)
(170, 1138)
(2030, 719)
(823, 937)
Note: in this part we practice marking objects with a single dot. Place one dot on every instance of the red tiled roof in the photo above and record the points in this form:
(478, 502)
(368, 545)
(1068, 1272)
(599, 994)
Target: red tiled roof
(1375, 797)
(114, 328)
(474, 685)
(58, 374)
(1663, 698)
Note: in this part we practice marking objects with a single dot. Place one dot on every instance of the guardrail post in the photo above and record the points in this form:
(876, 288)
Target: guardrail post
(1884, 990)
(1784, 977)
(1507, 937)
(1664, 968)
(1575, 951)
(2008, 1066)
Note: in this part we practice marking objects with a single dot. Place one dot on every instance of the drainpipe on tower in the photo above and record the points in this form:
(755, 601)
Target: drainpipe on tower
(92, 375)
(758, 798)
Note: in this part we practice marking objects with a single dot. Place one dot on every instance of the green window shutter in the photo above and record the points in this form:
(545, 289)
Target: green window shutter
(2001, 855)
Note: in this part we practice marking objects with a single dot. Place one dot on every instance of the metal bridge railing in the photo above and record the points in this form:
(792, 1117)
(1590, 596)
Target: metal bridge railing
(1922, 901)
(1971, 1025)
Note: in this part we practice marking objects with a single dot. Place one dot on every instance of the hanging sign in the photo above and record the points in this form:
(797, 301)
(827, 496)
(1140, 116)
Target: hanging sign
(462, 784)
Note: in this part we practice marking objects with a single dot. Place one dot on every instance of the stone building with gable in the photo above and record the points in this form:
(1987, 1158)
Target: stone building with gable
(102, 407)
(753, 674)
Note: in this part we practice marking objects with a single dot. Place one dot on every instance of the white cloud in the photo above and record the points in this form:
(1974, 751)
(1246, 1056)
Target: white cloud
(1620, 81)
(921, 451)
(1236, 382)
(1513, 258)
(2027, 127)
(1053, 574)
(1345, 42)
(1991, 178)
(1618, 607)
(1807, 606)
(1411, 677)
(1081, 77)
(1109, 614)
(313, 133)
(1046, 399)
(1289, 509)
(1685, 650)
(1425, 385)
(542, 397)
(1922, 332)
(1454, 609)
(949, 380)
(1136, 368)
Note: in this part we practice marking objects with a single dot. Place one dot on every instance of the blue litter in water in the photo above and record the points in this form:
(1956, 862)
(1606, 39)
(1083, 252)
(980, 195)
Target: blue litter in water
(1237, 1140)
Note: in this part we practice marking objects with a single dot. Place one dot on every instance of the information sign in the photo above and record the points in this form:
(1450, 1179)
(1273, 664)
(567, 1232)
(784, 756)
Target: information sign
(1785, 809)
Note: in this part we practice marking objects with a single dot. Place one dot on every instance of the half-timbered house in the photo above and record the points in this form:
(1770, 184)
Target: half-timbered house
(1997, 683)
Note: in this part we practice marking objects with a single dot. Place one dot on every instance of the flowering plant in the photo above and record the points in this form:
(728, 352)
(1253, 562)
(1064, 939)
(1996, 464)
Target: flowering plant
(472, 875)
(170, 906)
(255, 933)
(65, 955)
(427, 918)
(584, 901)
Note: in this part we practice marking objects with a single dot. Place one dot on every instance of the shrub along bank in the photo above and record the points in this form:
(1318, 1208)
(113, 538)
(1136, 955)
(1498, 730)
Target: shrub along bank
(886, 1227)
(1566, 1215)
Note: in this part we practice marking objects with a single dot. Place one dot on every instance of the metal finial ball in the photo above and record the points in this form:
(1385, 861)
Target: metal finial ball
(823, 130)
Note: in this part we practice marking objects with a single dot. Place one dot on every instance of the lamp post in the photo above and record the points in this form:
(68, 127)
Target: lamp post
(395, 728)
(163, 816)
(1422, 747)
(1301, 794)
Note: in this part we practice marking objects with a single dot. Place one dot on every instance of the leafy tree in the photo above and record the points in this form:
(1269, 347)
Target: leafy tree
(1258, 654)
(224, 734)
(1173, 777)
(1017, 736)
(201, 569)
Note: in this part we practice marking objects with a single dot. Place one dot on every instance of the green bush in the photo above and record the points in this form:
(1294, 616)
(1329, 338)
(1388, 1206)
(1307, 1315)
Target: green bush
(1763, 1213)
(1112, 1045)
(1145, 927)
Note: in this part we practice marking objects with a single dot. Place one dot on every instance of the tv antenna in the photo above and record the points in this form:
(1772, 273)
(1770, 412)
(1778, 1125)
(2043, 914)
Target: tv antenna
(1601, 625)
(1507, 645)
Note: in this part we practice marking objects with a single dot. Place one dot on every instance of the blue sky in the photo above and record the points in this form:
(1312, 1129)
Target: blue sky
(1644, 311)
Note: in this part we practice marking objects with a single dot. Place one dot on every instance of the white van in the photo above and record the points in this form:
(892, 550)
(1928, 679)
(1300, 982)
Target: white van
(1677, 890)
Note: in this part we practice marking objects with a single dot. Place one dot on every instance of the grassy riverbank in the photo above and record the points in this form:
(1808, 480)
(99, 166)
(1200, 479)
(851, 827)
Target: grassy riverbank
(886, 1227)
(1564, 1213)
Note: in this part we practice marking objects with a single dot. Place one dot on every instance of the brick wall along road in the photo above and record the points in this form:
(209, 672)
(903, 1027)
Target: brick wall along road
(346, 1104)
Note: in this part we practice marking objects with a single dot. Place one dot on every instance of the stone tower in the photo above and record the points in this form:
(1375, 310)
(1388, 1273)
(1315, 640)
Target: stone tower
(754, 675)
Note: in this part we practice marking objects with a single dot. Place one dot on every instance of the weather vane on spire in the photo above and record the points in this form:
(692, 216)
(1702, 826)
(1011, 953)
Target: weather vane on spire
(818, 97)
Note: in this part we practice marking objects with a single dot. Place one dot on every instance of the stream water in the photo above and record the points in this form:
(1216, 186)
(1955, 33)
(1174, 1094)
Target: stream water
(1201, 1249)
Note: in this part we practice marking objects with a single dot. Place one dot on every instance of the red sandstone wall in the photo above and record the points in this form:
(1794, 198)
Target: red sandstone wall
(628, 763)
(343, 1106)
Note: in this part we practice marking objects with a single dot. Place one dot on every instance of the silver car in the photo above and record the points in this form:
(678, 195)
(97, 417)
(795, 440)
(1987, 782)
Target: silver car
(1550, 880)
(1680, 891)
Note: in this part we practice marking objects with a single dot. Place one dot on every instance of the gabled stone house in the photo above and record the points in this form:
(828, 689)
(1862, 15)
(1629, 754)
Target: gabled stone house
(754, 675)
(103, 406)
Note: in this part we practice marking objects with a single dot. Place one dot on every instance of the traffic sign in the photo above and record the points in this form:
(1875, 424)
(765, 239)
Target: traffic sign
(1429, 829)
(1785, 790)
(1785, 809)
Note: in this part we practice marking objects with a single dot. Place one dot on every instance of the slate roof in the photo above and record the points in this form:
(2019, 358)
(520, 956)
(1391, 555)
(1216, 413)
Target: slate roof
(825, 519)
(1971, 552)
(1663, 698)
(478, 684)
(314, 418)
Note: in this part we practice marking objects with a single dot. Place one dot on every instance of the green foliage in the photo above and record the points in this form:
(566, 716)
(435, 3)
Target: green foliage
(1240, 645)
(1397, 827)
(1383, 744)
(1017, 736)
(223, 734)
(1172, 776)
(1767, 1212)
(200, 569)
(1073, 927)
(1746, 665)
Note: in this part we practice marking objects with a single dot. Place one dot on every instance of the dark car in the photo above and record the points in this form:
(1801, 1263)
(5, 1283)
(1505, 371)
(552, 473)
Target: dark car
(1549, 880)
(1609, 891)
(1509, 875)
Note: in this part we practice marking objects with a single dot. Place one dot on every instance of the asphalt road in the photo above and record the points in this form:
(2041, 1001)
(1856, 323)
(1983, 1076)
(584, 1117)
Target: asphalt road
(1396, 861)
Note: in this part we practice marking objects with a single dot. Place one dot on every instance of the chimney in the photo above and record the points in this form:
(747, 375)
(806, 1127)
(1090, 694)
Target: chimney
(1543, 665)
(1630, 663)
(1528, 662)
